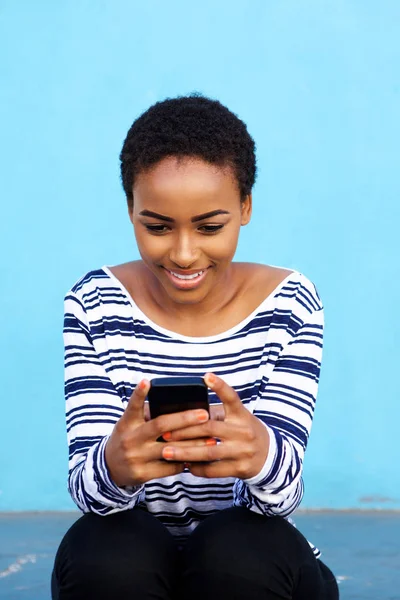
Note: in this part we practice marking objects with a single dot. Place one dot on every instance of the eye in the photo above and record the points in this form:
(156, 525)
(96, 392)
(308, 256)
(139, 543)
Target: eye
(157, 228)
(210, 228)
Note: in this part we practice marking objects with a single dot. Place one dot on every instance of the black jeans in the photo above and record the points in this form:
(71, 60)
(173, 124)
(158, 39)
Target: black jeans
(234, 554)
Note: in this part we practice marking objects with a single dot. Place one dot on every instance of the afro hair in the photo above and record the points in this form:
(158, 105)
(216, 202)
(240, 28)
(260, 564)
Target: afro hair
(189, 126)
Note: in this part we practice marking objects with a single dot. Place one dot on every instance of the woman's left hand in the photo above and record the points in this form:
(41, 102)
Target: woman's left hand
(244, 440)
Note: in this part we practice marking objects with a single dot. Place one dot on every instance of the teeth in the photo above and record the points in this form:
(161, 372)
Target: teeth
(193, 276)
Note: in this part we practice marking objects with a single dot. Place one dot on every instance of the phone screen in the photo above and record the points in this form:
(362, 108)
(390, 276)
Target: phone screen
(176, 394)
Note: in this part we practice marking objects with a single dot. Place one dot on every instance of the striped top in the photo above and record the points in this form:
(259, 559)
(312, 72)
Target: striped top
(272, 359)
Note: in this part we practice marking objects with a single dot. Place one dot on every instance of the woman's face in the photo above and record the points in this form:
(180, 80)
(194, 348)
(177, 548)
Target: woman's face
(187, 216)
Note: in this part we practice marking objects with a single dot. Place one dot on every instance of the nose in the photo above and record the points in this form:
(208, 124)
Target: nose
(184, 252)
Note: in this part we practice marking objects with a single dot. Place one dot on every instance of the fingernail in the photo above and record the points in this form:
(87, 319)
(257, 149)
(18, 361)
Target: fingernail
(167, 436)
(168, 453)
(211, 442)
(210, 379)
(142, 384)
(201, 416)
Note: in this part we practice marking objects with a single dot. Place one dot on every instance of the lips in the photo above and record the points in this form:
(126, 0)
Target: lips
(186, 280)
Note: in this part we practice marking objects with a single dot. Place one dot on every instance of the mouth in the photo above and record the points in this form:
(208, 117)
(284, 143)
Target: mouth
(186, 280)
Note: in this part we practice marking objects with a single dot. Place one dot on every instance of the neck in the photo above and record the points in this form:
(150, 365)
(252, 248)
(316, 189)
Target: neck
(221, 296)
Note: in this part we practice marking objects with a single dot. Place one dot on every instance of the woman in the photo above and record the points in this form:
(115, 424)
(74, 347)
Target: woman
(201, 514)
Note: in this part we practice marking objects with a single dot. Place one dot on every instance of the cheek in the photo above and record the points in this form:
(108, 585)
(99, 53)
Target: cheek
(150, 245)
(221, 247)
(225, 245)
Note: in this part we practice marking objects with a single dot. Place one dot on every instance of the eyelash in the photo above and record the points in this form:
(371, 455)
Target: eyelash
(161, 229)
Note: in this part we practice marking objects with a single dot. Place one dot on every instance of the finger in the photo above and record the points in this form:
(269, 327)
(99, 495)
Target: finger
(228, 396)
(169, 423)
(147, 416)
(207, 452)
(217, 412)
(214, 429)
(153, 451)
(211, 470)
(135, 408)
(163, 468)
(198, 443)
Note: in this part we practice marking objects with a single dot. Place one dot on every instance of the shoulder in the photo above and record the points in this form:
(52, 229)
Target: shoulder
(129, 273)
(291, 304)
(100, 278)
(87, 290)
(264, 277)
(89, 280)
(289, 288)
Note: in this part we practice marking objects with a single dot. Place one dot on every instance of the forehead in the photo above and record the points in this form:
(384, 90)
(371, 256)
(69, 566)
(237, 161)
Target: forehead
(190, 179)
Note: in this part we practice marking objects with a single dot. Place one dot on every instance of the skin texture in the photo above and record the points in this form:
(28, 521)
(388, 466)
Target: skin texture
(182, 190)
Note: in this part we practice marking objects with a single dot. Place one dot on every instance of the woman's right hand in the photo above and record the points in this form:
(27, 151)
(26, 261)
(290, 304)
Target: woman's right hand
(132, 453)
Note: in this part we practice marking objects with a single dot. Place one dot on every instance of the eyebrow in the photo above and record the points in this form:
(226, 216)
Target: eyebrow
(213, 213)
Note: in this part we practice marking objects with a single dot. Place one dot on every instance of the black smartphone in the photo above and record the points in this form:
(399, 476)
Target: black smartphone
(175, 394)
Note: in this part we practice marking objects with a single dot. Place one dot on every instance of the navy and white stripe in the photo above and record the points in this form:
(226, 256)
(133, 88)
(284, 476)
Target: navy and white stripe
(272, 359)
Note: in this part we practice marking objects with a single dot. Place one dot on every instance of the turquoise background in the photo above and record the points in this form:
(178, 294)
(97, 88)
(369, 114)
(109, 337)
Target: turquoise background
(318, 84)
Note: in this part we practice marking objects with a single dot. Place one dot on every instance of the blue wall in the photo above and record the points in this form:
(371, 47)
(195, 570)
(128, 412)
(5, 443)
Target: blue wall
(318, 85)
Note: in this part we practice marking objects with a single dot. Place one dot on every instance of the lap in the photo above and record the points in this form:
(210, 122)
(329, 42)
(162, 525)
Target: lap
(265, 557)
(125, 555)
(258, 556)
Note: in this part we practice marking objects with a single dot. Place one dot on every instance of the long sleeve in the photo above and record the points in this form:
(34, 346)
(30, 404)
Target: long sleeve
(286, 407)
(93, 406)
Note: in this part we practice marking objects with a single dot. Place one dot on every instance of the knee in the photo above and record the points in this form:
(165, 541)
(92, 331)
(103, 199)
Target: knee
(96, 552)
(250, 555)
(237, 539)
(131, 533)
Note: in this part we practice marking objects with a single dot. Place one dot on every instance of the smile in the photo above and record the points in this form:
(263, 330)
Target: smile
(186, 282)
(192, 276)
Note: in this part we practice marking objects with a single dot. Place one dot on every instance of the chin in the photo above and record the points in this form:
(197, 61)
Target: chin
(185, 296)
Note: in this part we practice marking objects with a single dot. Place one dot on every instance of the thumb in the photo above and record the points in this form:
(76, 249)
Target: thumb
(135, 408)
(228, 396)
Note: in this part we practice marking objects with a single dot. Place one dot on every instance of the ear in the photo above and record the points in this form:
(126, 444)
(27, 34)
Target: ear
(246, 208)
(130, 212)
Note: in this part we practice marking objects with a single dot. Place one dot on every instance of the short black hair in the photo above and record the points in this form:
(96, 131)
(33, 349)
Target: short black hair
(194, 126)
